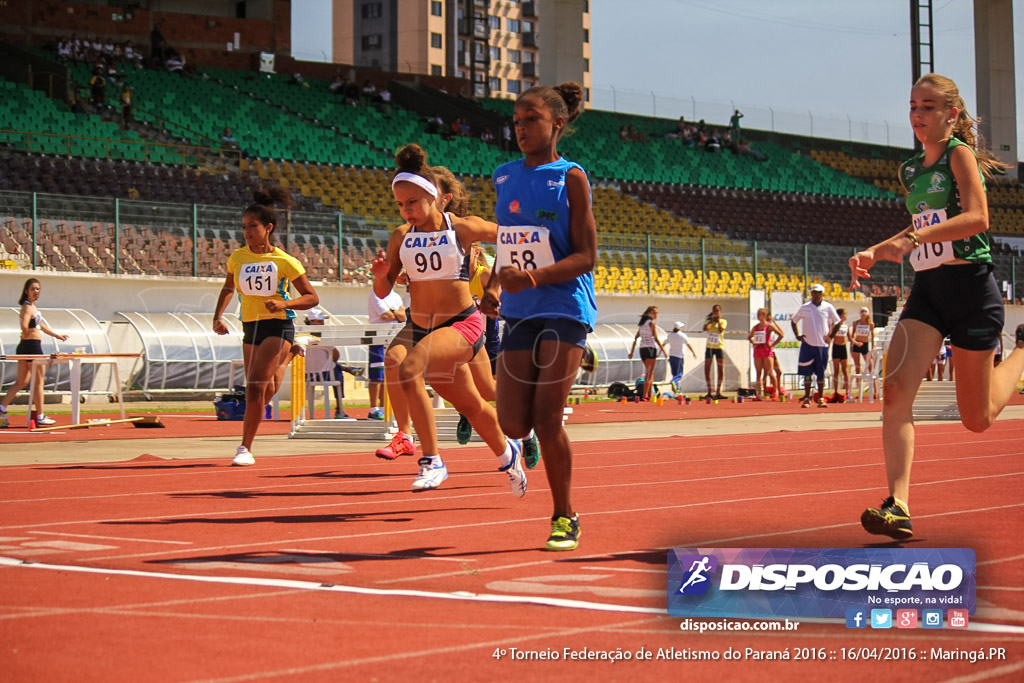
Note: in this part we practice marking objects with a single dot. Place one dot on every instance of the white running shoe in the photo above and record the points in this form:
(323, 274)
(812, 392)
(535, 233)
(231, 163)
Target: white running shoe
(43, 421)
(430, 476)
(243, 458)
(514, 469)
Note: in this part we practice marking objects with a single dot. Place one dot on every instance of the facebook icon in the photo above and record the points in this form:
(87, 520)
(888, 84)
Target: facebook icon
(856, 618)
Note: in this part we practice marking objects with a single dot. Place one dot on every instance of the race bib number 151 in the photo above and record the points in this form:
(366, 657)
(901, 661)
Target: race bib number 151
(258, 279)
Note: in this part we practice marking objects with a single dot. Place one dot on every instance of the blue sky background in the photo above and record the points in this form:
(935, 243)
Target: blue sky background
(821, 67)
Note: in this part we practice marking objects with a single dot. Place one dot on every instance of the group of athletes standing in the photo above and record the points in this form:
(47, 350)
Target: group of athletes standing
(543, 289)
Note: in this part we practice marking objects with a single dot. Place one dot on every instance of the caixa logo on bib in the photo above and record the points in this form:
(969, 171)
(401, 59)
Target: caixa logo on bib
(816, 582)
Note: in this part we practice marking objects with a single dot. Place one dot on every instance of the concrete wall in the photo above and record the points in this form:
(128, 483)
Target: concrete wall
(994, 71)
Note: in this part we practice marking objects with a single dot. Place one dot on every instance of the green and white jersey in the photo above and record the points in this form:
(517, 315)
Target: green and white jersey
(932, 198)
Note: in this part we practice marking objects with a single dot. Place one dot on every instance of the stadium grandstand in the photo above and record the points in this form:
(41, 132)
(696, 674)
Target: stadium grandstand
(158, 192)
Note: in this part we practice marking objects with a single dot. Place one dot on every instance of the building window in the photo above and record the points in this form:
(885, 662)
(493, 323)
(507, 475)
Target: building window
(586, 64)
(512, 25)
(462, 74)
(462, 45)
(372, 41)
(495, 84)
(435, 70)
(527, 57)
(495, 54)
(436, 8)
(478, 49)
(527, 26)
(586, 6)
(586, 35)
(515, 56)
(435, 40)
(494, 22)
(372, 10)
(586, 94)
(513, 86)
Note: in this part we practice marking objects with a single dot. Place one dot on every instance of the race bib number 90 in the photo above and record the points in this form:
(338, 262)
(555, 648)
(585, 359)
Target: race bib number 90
(258, 279)
(930, 254)
(524, 247)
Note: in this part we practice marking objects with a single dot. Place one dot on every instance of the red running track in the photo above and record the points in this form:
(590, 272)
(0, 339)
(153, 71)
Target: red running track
(326, 567)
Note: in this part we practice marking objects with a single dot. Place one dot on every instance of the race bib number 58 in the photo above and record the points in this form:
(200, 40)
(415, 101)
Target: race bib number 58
(524, 247)
(930, 254)
(258, 279)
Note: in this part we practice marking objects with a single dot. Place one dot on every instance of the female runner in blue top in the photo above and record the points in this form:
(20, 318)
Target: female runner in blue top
(954, 292)
(547, 246)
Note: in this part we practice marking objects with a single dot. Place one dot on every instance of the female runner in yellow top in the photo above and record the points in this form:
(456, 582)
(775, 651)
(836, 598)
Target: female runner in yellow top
(261, 273)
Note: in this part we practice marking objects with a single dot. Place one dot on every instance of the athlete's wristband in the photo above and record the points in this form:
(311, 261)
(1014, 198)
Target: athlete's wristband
(532, 279)
(914, 238)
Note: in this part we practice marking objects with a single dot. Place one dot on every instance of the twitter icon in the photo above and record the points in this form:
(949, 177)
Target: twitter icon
(881, 618)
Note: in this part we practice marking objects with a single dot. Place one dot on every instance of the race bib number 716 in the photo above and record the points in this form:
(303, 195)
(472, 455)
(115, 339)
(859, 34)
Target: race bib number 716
(930, 254)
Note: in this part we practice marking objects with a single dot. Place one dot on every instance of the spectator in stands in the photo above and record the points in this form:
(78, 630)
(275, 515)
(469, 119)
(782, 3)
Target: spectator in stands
(352, 94)
(98, 88)
(64, 50)
(712, 143)
(108, 48)
(743, 149)
(734, 123)
(338, 83)
(75, 102)
(506, 137)
(715, 325)
(676, 340)
(175, 62)
(32, 328)
(297, 79)
(635, 135)
(446, 328)
(369, 92)
(385, 102)
(381, 310)
(465, 130)
(132, 55)
(97, 48)
(818, 316)
(435, 124)
(647, 333)
(77, 51)
(487, 137)
(127, 100)
(228, 139)
(261, 273)
(678, 131)
(624, 133)
(157, 44)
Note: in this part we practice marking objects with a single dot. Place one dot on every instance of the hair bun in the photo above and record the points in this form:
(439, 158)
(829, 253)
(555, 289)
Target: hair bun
(411, 159)
(572, 93)
(263, 198)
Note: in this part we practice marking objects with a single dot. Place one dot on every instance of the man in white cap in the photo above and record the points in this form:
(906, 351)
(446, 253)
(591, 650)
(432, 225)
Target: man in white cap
(818, 317)
(676, 340)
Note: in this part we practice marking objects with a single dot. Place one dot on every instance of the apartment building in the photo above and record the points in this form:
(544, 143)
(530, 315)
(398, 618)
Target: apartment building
(501, 46)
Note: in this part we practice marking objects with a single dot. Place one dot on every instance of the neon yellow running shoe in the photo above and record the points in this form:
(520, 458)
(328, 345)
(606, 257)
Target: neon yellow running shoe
(565, 533)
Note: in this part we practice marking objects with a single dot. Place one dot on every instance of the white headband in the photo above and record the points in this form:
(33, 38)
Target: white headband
(417, 180)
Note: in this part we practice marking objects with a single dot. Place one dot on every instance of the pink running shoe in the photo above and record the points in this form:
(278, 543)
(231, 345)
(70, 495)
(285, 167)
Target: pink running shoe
(401, 444)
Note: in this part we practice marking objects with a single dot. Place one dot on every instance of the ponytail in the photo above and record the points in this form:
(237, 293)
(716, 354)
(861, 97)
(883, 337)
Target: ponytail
(965, 126)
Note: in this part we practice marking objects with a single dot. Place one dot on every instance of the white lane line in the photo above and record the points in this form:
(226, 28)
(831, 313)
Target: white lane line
(625, 569)
(711, 542)
(434, 529)
(461, 596)
(657, 482)
(1000, 588)
(60, 611)
(990, 673)
(214, 467)
(1001, 559)
(458, 596)
(110, 538)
